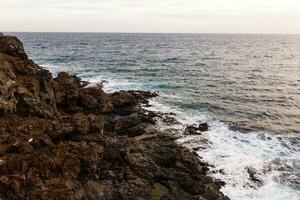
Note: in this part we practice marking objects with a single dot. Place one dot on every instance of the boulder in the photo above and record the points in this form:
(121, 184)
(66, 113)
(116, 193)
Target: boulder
(194, 130)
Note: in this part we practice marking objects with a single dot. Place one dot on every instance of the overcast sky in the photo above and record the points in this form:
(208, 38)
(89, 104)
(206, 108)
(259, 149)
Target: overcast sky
(195, 16)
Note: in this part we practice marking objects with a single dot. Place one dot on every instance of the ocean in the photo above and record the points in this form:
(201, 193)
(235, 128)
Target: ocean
(246, 87)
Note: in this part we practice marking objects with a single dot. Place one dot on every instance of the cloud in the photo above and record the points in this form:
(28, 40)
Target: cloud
(151, 15)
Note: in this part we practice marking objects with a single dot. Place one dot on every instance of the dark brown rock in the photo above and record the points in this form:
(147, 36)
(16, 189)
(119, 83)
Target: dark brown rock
(12, 46)
(62, 140)
(203, 127)
(122, 98)
(194, 130)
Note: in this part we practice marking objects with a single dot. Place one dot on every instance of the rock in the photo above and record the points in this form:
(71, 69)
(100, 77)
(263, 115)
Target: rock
(211, 194)
(253, 176)
(60, 130)
(159, 191)
(220, 183)
(12, 46)
(203, 127)
(62, 140)
(143, 96)
(66, 88)
(96, 123)
(94, 190)
(94, 100)
(122, 98)
(126, 122)
(81, 123)
(26, 88)
(7, 86)
(136, 131)
(193, 130)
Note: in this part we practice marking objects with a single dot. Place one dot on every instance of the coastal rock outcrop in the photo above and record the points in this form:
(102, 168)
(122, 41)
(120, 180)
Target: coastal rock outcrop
(61, 139)
(196, 130)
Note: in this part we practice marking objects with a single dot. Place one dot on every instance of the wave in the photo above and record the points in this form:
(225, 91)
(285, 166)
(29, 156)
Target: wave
(253, 165)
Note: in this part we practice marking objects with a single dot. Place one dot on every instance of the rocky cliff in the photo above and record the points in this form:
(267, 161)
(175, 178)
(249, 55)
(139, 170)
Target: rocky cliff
(60, 139)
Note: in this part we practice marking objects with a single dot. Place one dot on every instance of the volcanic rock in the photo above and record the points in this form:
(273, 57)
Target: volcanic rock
(194, 130)
(62, 140)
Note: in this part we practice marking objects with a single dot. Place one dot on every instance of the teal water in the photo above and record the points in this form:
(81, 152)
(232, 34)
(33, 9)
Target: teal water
(247, 87)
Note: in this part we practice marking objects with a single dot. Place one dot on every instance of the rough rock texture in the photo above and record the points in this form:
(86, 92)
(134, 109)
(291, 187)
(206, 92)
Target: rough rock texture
(62, 140)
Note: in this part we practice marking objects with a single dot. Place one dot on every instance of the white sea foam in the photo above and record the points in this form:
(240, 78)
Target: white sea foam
(273, 159)
(114, 84)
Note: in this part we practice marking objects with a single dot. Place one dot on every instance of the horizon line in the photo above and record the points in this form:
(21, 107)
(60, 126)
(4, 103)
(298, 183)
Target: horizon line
(223, 33)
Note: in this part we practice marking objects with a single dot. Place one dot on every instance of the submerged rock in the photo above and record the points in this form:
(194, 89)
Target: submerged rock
(253, 176)
(62, 140)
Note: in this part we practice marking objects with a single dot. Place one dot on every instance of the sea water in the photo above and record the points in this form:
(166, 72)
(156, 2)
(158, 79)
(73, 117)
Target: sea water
(246, 87)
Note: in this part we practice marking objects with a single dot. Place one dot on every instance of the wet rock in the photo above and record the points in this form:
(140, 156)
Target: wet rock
(203, 127)
(220, 183)
(253, 176)
(143, 96)
(194, 130)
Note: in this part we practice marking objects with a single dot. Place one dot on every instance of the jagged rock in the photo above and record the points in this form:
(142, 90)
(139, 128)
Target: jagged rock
(143, 96)
(26, 88)
(122, 98)
(12, 46)
(62, 140)
(81, 123)
(71, 96)
(97, 123)
(193, 130)
(126, 122)
(94, 100)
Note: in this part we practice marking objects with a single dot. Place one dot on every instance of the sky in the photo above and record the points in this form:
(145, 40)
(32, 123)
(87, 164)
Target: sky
(170, 16)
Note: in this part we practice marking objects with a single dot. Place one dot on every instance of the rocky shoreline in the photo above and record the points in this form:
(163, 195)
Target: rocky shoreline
(61, 139)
